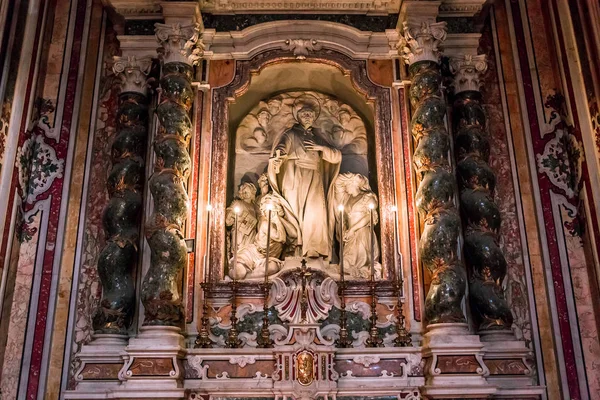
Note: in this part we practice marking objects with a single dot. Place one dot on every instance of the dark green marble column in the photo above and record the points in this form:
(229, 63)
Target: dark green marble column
(122, 216)
(480, 214)
(161, 288)
(436, 187)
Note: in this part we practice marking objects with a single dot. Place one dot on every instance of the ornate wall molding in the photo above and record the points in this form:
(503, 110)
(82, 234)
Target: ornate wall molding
(249, 42)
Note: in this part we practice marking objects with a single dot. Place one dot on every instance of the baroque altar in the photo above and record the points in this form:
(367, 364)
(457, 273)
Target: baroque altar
(303, 231)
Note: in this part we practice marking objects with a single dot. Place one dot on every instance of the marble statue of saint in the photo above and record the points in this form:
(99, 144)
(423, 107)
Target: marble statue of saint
(354, 193)
(247, 218)
(302, 167)
(252, 258)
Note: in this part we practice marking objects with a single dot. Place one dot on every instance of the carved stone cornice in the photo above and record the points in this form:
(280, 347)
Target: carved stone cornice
(421, 41)
(135, 9)
(461, 8)
(467, 71)
(132, 72)
(179, 43)
(355, 6)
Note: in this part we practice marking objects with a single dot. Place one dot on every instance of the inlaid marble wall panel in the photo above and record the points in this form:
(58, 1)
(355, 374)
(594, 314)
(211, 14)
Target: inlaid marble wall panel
(49, 100)
(88, 291)
(506, 191)
(544, 108)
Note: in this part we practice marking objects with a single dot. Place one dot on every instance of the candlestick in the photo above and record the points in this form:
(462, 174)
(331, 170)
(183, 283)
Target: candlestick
(236, 212)
(203, 339)
(396, 246)
(264, 340)
(371, 208)
(403, 338)
(373, 340)
(233, 341)
(206, 252)
(344, 340)
(341, 210)
(269, 208)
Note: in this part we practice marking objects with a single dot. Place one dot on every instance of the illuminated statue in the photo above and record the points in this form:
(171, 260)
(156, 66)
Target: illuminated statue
(246, 214)
(354, 193)
(251, 258)
(302, 167)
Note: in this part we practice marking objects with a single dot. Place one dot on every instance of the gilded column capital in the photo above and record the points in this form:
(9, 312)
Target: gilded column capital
(133, 73)
(468, 70)
(421, 41)
(179, 43)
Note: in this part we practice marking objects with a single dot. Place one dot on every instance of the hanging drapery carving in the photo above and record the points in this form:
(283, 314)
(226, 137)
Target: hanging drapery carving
(165, 230)
(477, 181)
(436, 188)
(122, 215)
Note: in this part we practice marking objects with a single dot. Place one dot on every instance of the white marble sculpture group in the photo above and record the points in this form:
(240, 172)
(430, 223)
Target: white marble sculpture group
(305, 193)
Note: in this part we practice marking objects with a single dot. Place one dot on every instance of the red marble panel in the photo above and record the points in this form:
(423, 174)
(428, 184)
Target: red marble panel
(221, 72)
(394, 366)
(152, 367)
(381, 72)
(507, 367)
(460, 364)
(217, 367)
(97, 371)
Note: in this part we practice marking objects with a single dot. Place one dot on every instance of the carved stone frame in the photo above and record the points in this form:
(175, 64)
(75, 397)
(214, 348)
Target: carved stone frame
(374, 94)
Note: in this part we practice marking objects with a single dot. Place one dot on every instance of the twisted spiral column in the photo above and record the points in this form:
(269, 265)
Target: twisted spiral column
(122, 215)
(161, 296)
(480, 214)
(436, 188)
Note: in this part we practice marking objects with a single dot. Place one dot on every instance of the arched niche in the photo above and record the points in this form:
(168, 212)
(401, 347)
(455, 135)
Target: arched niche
(285, 82)
(274, 72)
